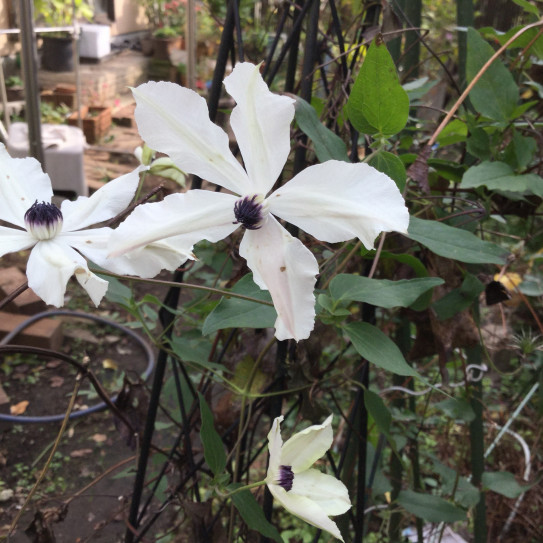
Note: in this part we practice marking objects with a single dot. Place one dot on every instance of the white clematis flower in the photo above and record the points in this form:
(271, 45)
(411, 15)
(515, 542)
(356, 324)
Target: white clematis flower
(334, 201)
(307, 493)
(59, 238)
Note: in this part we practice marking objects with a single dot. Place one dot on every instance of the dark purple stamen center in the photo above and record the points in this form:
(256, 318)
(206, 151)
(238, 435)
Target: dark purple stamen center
(248, 213)
(43, 214)
(286, 477)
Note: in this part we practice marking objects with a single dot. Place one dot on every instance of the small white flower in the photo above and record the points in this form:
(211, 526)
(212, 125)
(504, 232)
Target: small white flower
(334, 201)
(307, 493)
(59, 238)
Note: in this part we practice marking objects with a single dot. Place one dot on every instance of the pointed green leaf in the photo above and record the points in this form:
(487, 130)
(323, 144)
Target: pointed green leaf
(496, 94)
(327, 145)
(457, 408)
(214, 454)
(379, 412)
(500, 176)
(378, 105)
(455, 243)
(236, 312)
(378, 348)
(429, 507)
(391, 165)
(504, 483)
(380, 292)
(253, 515)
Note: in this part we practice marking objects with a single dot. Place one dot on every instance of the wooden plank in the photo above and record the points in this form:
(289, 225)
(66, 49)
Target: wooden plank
(27, 302)
(45, 333)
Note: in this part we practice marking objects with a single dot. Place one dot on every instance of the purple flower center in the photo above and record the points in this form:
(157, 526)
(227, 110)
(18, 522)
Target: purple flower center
(250, 212)
(43, 221)
(286, 477)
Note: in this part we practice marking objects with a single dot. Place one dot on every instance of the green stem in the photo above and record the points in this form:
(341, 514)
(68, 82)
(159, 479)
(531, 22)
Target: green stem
(244, 487)
(190, 286)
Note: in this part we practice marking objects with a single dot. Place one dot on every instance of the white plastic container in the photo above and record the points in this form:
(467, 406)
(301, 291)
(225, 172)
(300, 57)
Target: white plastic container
(94, 41)
(63, 148)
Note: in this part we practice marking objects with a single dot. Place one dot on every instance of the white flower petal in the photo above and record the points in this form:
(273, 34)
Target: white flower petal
(50, 266)
(175, 121)
(304, 448)
(12, 240)
(306, 509)
(104, 204)
(261, 122)
(275, 442)
(336, 201)
(284, 266)
(22, 182)
(185, 218)
(330, 493)
(95, 286)
(148, 262)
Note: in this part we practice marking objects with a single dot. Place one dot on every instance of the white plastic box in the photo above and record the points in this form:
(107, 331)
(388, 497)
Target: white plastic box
(63, 148)
(94, 41)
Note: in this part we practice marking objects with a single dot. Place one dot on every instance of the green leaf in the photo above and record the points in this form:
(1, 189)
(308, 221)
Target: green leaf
(378, 348)
(214, 454)
(429, 507)
(455, 243)
(465, 493)
(504, 483)
(235, 312)
(478, 144)
(457, 409)
(526, 6)
(253, 515)
(458, 299)
(378, 105)
(520, 151)
(454, 132)
(328, 145)
(391, 165)
(496, 94)
(500, 176)
(380, 292)
(379, 412)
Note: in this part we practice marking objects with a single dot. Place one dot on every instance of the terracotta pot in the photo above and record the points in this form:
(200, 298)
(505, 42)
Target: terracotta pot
(96, 122)
(163, 46)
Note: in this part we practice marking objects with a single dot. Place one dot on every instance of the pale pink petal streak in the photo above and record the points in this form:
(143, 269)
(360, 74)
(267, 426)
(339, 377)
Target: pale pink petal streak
(337, 201)
(261, 122)
(284, 266)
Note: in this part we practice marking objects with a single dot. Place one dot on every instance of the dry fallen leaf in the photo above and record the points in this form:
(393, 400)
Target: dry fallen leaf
(19, 408)
(56, 381)
(99, 438)
(80, 453)
(109, 364)
(52, 364)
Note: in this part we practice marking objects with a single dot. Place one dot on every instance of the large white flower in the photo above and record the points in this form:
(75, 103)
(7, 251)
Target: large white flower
(334, 201)
(59, 238)
(307, 493)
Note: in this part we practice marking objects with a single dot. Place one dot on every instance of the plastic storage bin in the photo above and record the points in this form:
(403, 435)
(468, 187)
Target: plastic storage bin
(94, 41)
(63, 148)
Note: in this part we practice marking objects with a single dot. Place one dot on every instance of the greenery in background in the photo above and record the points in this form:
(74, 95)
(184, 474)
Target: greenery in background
(447, 366)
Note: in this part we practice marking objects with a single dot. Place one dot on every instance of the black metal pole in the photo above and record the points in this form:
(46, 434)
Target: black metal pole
(29, 57)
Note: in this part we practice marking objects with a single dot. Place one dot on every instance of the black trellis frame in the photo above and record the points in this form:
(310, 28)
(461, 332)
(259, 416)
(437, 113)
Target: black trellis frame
(303, 15)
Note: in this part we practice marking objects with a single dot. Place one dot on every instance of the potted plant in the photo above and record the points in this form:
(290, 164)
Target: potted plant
(169, 23)
(57, 45)
(96, 121)
(14, 88)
